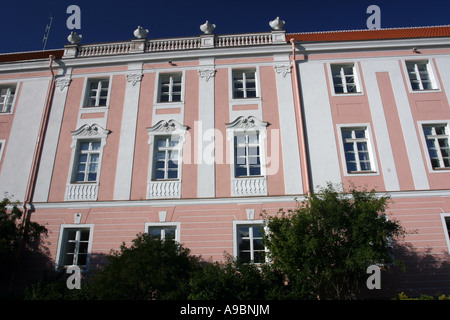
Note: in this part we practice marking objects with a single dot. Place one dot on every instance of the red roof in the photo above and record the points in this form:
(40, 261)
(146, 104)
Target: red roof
(32, 55)
(379, 34)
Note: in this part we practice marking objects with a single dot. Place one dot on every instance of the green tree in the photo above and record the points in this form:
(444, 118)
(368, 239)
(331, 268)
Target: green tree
(149, 269)
(17, 235)
(325, 245)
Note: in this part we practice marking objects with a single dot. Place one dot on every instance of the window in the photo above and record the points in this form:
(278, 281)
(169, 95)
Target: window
(249, 243)
(357, 150)
(244, 83)
(436, 137)
(88, 157)
(164, 230)
(247, 154)
(97, 92)
(6, 98)
(344, 78)
(74, 246)
(170, 87)
(445, 219)
(166, 157)
(420, 75)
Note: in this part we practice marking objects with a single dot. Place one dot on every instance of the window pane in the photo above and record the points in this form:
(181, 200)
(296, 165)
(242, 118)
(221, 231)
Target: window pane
(170, 233)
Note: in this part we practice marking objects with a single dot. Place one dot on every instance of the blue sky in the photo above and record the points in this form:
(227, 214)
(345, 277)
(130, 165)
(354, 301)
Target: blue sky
(23, 22)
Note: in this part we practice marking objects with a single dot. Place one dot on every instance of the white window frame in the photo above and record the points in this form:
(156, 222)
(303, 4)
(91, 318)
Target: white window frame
(85, 190)
(163, 225)
(2, 148)
(169, 74)
(248, 223)
(59, 263)
(430, 71)
(421, 125)
(343, 78)
(8, 87)
(170, 188)
(87, 92)
(166, 149)
(369, 139)
(244, 70)
(445, 228)
(89, 153)
(248, 185)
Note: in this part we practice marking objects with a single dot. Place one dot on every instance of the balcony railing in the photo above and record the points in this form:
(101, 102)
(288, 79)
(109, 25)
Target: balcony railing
(174, 44)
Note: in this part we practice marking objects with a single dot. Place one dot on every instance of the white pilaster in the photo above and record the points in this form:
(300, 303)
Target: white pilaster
(48, 156)
(205, 137)
(288, 127)
(124, 169)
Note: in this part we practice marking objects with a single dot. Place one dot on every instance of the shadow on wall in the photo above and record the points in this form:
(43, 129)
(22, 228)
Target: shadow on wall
(418, 273)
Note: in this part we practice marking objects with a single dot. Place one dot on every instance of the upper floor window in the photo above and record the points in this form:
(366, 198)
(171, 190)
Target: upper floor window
(357, 150)
(7, 94)
(244, 83)
(97, 92)
(170, 87)
(345, 78)
(420, 75)
(247, 154)
(436, 136)
(74, 246)
(166, 157)
(88, 156)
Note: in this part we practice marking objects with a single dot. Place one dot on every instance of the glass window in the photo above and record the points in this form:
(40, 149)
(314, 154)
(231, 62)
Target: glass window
(97, 93)
(166, 158)
(6, 98)
(344, 78)
(87, 164)
(420, 76)
(357, 150)
(163, 232)
(247, 154)
(75, 247)
(170, 87)
(250, 246)
(244, 83)
(436, 137)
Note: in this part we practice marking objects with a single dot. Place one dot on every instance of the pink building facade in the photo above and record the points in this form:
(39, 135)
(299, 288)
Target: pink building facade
(193, 138)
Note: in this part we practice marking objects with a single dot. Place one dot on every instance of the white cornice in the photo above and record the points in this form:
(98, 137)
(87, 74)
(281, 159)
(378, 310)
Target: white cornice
(218, 201)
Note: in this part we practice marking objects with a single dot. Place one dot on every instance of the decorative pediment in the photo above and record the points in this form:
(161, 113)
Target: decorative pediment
(249, 122)
(93, 130)
(170, 126)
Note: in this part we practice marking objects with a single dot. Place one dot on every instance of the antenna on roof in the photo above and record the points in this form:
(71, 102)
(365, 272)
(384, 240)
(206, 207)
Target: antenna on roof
(46, 32)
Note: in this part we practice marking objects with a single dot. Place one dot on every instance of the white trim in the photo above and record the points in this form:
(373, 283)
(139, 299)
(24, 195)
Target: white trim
(58, 260)
(444, 193)
(370, 145)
